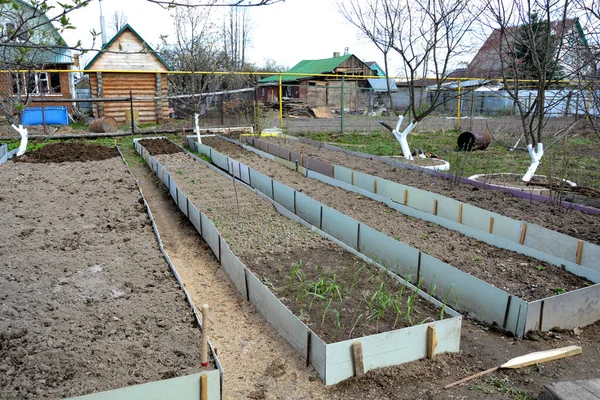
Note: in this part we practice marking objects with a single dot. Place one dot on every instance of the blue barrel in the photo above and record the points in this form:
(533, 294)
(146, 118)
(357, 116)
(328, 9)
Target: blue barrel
(56, 115)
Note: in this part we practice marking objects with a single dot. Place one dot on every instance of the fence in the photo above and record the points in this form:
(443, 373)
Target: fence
(353, 103)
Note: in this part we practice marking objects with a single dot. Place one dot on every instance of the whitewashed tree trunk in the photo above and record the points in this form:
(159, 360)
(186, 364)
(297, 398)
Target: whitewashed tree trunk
(536, 156)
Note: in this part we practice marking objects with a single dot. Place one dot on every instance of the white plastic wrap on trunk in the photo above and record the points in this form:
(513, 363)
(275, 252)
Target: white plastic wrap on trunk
(23, 132)
(536, 156)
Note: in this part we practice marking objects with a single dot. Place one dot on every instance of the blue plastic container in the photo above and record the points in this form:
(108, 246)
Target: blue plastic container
(56, 115)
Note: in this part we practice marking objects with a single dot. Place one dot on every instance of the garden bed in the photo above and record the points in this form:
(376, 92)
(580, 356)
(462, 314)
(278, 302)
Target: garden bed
(318, 279)
(568, 221)
(88, 301)
(522, 276)
(299, 266)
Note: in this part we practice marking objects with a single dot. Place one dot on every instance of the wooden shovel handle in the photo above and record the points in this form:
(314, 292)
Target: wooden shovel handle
(468, 378)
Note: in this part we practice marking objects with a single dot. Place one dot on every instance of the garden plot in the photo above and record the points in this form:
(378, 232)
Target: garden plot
(88, 302)
(339, 297)
(570, 222)
(482, 300)
(490, 227)
(519, 275)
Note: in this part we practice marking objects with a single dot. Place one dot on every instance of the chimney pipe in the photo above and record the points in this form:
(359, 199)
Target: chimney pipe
(336, 53)
(102, 24)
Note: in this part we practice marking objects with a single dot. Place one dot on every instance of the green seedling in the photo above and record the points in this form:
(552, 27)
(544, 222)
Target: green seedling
(337, 324)
(443, 309)
(559, 290)
(540, 268)
(477, 259)
(268, 283)
(424, 236)
(355, 324)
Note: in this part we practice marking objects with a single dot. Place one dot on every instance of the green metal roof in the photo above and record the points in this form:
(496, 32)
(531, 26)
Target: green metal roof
(307, 68)
(111, 41)
(45, 35)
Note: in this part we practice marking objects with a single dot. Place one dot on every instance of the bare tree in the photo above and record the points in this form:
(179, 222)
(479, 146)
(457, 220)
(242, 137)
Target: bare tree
(29, 42)
(589, 78)
(426, 34)
(378, 27)
(534, 57)
(118, 20)
(236, 33)
(197, 49)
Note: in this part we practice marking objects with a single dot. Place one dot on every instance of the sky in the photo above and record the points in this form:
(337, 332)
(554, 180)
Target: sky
(285, 32)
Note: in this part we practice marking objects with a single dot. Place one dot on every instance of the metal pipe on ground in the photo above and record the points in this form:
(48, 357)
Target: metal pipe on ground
(474, 140)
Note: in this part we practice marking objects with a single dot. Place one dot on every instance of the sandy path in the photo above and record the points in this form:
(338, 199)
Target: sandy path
(257, 362)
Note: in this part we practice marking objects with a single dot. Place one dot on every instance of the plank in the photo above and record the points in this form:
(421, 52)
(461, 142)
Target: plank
(541, 356)
(581, 390)
(359, 366)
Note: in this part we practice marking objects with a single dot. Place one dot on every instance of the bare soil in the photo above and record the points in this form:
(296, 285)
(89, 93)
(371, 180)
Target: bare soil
(87, 301)
(257, 361)
(315, 278)
(260, 365)
(522, 276)
(568, 221)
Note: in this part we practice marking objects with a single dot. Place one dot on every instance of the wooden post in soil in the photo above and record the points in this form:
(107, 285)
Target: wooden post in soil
(359, 366)
(204, 354)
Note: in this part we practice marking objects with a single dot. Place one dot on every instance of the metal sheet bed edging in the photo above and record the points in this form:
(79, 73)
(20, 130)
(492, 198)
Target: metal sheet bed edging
(174, 270)
(481, 185)
(500, 317)
(286, 213)
(586, 261)
(514, 316)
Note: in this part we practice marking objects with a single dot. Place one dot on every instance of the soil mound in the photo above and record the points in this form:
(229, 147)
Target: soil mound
(160, 146)
(69, 152)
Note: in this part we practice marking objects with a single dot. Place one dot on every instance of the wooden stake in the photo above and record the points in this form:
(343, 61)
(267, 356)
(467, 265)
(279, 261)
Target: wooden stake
(352, 177)
(204, 387)
(359, 367)
(525, 361)
(523, 232)
(579, 249)
(460, 206)
(491, 224)
(432, 341)
(204, 354)
(435, 207)
(405, 196)
(375, 186)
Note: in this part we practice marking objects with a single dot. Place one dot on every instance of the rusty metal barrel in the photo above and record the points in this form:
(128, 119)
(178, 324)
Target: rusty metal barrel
(104, 125)
(474, 140)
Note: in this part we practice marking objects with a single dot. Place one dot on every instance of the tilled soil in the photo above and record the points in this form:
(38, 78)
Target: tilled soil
(292, 260)
(481, 348)
(87, 301)
(61, 152)
(522, 276)
(570, 222)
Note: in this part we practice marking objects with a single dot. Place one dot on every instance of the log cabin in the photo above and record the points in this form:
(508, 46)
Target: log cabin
(127, 64)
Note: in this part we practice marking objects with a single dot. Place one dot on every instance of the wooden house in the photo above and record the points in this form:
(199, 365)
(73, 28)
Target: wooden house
(43, 49)
(127, 63)
(306, 84)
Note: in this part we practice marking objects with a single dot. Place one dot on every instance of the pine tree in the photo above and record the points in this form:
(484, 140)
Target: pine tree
(536, 46)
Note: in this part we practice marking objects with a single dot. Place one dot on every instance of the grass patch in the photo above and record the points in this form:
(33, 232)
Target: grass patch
(577, 157)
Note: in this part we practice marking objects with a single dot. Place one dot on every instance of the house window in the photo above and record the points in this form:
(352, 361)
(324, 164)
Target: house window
(10, 28)
(35, 83)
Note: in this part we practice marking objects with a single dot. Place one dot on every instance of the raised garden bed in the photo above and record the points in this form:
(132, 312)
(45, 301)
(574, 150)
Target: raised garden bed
(88, 301)
(493, 228)
(569, 221)
(336, 297)
(519, 275)
(482, 300)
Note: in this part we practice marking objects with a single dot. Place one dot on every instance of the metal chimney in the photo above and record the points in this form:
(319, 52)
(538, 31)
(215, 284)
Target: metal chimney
(102, 24)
